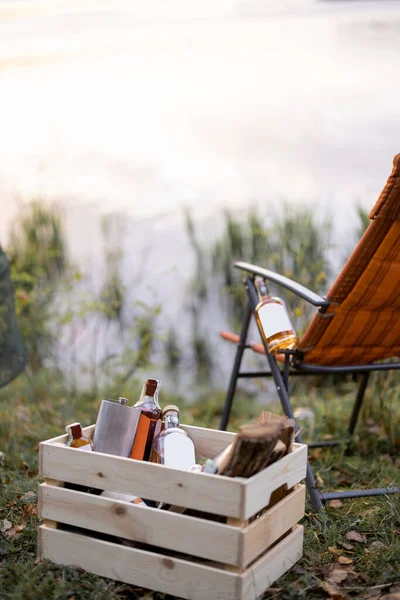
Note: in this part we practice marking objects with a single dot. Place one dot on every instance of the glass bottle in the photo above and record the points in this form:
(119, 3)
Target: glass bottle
(76, 439)
(173, 447)
(273, 320)
(149, 422)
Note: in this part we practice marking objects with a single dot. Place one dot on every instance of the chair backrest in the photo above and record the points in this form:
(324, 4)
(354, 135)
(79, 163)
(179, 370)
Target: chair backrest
(362, 324)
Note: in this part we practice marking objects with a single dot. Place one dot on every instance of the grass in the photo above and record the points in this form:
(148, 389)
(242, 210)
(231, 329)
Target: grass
(34, 410)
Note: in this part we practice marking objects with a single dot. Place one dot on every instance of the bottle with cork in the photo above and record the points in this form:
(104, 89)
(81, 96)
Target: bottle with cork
(150, 420)
(173, 447)
(273, 320)
(76, 439)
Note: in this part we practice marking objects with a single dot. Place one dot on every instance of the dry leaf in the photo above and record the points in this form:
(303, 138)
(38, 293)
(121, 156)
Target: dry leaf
(334, 550)
(335, 503)
(14, 532)
(355, 536)
(19, 528)
(337, 575)
(28, 497)
(30, 509)
(319, 481)
(395, 596)
(6, 525)
(332, 590)
(344, 560)
(346, 546)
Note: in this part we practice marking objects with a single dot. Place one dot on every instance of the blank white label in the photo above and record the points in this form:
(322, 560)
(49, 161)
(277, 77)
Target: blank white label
(274, 319)
(178, 452)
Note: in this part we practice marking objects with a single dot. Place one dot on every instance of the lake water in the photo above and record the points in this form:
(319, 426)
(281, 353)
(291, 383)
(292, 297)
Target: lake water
(146, 108)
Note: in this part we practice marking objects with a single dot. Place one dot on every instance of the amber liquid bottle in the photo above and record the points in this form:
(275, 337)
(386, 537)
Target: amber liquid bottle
(150, 420)
(76, 439)
(273, 320)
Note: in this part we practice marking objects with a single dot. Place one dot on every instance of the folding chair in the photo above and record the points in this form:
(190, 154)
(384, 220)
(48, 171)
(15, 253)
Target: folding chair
(356, 325)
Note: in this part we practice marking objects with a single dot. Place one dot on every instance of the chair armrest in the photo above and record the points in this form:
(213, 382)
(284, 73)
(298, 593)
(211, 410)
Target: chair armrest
(285, 282)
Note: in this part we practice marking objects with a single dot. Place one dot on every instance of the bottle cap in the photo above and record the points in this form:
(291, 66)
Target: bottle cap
(151, 386)
(75, 429)
(170, 407)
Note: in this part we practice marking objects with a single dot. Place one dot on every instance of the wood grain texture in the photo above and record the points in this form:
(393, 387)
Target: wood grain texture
(201, 491)
(272, 525)
(183, 578)
(288, 471)
(198, 537)
(158, 572)
(272, 565)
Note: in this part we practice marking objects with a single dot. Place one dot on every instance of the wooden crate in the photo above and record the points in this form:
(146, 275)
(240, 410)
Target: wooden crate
(236, 557)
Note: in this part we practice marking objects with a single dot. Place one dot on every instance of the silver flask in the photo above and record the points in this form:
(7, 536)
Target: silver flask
(115, 428)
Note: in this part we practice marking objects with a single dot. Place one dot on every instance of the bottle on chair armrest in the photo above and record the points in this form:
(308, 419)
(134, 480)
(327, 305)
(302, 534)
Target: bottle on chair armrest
(273, 320)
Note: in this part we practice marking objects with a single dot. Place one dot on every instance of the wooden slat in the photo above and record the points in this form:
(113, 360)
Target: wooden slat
(272, 565)
(201, 491)
(274, 523)
(199, 537)
(208, 442)
(289, 470)
(138, 567)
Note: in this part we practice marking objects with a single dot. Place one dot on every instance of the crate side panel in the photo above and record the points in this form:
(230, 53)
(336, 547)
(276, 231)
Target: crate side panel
(182, 578)
(288, 471)
(262, 574)
(273, 524)
(201, 491)
(198, 537)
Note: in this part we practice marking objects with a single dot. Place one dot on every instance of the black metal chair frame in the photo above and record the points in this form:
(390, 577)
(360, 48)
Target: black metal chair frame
(281, 377)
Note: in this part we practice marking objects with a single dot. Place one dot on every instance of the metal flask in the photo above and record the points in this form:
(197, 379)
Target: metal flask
(115, 427)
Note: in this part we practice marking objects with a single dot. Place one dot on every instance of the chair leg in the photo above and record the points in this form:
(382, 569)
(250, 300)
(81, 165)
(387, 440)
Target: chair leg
(358, 402)
(314, 494)
(236, 368)
(282, 389)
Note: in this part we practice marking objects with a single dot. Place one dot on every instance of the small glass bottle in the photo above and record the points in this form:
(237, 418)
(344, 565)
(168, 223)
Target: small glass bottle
(76, 439)
(273, 320)
(150, 420)
(173, 447)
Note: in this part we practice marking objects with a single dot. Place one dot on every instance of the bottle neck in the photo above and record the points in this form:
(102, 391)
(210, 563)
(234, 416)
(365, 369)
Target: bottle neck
(74, 431)
(171, 420)
(262, 288)
(149, 393)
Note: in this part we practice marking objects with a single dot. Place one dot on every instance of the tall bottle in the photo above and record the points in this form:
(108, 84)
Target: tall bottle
(149, 422)
(273, 320)
(173, 447)
(76, 439)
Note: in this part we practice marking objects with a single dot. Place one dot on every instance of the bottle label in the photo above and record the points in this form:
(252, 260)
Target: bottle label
(141, 437)
(178, 452)
(274, 319)
(85, 448)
